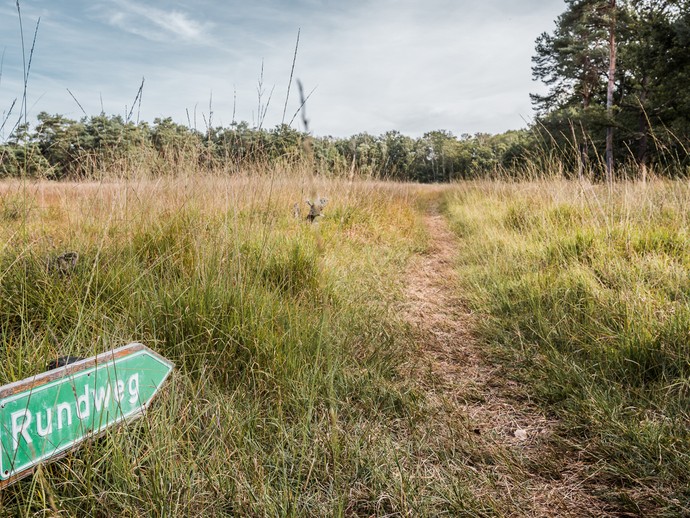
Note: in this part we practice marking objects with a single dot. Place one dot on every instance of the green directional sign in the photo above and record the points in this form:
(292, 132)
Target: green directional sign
(51, 413)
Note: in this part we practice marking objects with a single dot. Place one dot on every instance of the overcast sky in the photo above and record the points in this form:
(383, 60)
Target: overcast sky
(373, 65)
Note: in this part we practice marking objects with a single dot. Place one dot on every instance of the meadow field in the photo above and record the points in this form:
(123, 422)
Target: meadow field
(474, 349)
(585, 289)
(466, 308)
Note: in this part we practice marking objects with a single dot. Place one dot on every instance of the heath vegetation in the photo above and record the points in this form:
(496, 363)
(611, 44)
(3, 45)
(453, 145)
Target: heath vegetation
(585, 291)
(274, 268)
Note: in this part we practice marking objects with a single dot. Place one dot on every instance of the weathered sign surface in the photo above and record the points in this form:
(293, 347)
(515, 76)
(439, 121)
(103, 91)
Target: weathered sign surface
(47, 415)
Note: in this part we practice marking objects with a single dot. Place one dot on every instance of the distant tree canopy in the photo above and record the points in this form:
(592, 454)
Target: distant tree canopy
(648, 119)
(59, 148)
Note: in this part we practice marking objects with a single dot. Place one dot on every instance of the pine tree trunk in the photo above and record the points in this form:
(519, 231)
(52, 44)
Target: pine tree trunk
(584, 145)
(609, 92)
(643, 128)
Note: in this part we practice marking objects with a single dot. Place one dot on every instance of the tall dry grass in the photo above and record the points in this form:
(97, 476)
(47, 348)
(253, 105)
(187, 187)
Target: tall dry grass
(288, 396)
(586, 294)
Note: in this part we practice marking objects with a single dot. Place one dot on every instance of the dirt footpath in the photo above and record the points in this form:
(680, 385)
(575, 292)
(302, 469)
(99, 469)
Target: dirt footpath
(512, 441)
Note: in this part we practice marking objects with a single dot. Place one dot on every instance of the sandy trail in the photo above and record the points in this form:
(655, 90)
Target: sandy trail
(464, 384)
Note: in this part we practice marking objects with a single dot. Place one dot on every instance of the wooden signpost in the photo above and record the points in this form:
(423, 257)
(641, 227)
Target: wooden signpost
(51, 413)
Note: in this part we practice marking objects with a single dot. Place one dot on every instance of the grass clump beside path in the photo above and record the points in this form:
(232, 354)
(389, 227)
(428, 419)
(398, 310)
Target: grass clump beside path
(588, 292)
(286, 399)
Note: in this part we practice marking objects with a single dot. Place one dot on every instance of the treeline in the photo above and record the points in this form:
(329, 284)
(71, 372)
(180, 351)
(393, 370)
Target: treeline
(58, 148)
(617, 70)
(100, 146)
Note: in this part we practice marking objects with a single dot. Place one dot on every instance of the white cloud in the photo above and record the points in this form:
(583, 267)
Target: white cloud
(156, 24)
(376, 65)
(417, 67)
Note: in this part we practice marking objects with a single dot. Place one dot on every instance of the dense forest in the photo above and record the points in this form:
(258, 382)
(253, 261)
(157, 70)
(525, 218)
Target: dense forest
(618, 106)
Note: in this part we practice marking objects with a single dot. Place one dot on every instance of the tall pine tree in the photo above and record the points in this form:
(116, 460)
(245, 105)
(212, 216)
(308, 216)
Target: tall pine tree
(622, 64)
(573, 62)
